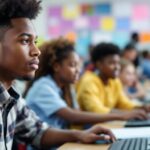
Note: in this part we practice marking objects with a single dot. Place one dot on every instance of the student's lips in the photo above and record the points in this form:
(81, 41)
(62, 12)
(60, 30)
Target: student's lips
(34, 64)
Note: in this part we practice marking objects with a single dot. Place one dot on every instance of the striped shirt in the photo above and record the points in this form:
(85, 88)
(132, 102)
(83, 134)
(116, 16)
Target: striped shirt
(17, 120)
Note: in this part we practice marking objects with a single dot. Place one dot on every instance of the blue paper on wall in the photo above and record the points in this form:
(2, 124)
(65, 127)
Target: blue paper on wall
(123, 23)
(82, 43)
(102, 9)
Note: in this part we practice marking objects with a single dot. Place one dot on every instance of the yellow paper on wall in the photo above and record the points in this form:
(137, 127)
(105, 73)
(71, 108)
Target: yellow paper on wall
(107, 24)
(71, 11)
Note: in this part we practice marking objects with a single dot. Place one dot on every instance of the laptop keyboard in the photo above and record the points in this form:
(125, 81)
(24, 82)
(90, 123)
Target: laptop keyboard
(137, 123)
(131, 144)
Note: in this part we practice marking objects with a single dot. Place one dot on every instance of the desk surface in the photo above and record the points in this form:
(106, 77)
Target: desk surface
(78, 146)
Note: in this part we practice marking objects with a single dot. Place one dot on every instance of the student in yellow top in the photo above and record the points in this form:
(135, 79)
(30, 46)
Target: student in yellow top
(101, 91)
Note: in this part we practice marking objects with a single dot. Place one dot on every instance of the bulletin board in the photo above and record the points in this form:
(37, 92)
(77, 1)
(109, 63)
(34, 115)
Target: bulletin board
(93, 23)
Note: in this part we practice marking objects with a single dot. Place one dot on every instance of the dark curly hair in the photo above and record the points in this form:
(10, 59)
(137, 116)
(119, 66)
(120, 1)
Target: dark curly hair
(102, 50)
(18, 8)
(53, 51)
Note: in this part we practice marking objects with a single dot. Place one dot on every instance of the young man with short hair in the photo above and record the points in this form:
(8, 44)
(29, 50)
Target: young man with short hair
(19, 60)
(101, 91)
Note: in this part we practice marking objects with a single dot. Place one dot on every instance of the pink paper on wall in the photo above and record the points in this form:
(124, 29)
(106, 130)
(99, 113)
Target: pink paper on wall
(94, 22)
(141, 12)
(54, 31)
(54, 11)
(66, 25)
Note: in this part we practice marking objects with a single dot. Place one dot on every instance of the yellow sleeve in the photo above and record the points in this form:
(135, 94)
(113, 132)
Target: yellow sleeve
(89, 99)
(123, 101)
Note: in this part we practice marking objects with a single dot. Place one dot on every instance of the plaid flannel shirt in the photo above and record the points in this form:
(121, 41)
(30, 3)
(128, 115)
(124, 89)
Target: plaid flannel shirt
(16, 119)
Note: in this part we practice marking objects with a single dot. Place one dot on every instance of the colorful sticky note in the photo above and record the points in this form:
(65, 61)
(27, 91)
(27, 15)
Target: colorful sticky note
(54, 32)
(54, 27)
(141, 12)
(94, 22)
(71, 36)
(81, 23)
(54, 11)
(71, 11)
(102, 9)
(145, 37)
(123, 23)
(87, 9)
(107, 23)
(66, 25)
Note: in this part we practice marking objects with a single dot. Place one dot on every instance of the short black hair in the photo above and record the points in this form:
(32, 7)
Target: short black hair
(103, 50)
(129, 47)
(145, 53)
(18, 8)
(135, 36)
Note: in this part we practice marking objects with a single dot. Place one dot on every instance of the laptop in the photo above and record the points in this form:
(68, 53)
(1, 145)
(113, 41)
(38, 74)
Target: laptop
(131, 144)
(137, 123)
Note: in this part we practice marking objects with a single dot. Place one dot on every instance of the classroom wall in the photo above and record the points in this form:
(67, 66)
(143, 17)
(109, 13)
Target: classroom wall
(92, 21)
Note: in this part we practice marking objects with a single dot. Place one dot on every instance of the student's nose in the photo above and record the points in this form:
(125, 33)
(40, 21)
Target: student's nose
(34, 51)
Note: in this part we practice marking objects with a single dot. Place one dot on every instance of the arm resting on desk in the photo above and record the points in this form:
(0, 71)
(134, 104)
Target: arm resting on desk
(56, 136)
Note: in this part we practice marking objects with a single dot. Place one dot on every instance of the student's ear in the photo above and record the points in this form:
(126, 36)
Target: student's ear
(98, 64)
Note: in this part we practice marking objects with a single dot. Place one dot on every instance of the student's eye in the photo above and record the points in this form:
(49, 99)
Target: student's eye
(73, 64)
(24, 42)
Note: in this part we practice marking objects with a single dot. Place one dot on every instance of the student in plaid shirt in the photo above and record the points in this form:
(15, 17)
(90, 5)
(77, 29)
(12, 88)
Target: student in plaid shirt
(19, 59)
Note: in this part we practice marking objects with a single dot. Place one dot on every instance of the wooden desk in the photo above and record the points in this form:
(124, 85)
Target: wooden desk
(78, 146)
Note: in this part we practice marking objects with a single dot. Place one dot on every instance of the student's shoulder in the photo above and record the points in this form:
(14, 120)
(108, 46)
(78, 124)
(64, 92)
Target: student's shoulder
(116, 82)
(89, 76)
(45, 80)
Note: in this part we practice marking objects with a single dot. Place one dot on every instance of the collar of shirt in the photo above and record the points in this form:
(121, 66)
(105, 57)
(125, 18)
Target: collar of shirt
(6, 95)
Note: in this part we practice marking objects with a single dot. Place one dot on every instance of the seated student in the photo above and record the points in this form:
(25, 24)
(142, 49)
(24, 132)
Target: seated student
(145, 64)
(19, 60)
(129, 79)
(50, 94)
(102, 91)
(130, 53)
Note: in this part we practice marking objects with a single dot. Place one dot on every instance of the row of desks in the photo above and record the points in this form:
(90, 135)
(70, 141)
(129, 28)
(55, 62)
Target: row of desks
(79, 146)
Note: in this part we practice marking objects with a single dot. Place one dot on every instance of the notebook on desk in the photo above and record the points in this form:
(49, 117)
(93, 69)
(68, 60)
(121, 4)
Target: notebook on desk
(126, 133)
(138, 123)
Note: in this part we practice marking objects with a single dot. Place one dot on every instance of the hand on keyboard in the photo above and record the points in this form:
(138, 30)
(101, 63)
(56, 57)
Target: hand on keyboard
(135, 114)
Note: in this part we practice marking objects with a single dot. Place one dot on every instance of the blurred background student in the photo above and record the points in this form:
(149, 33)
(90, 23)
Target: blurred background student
(145, 64)
(131, 84)
(101, 91)
(130, 53)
